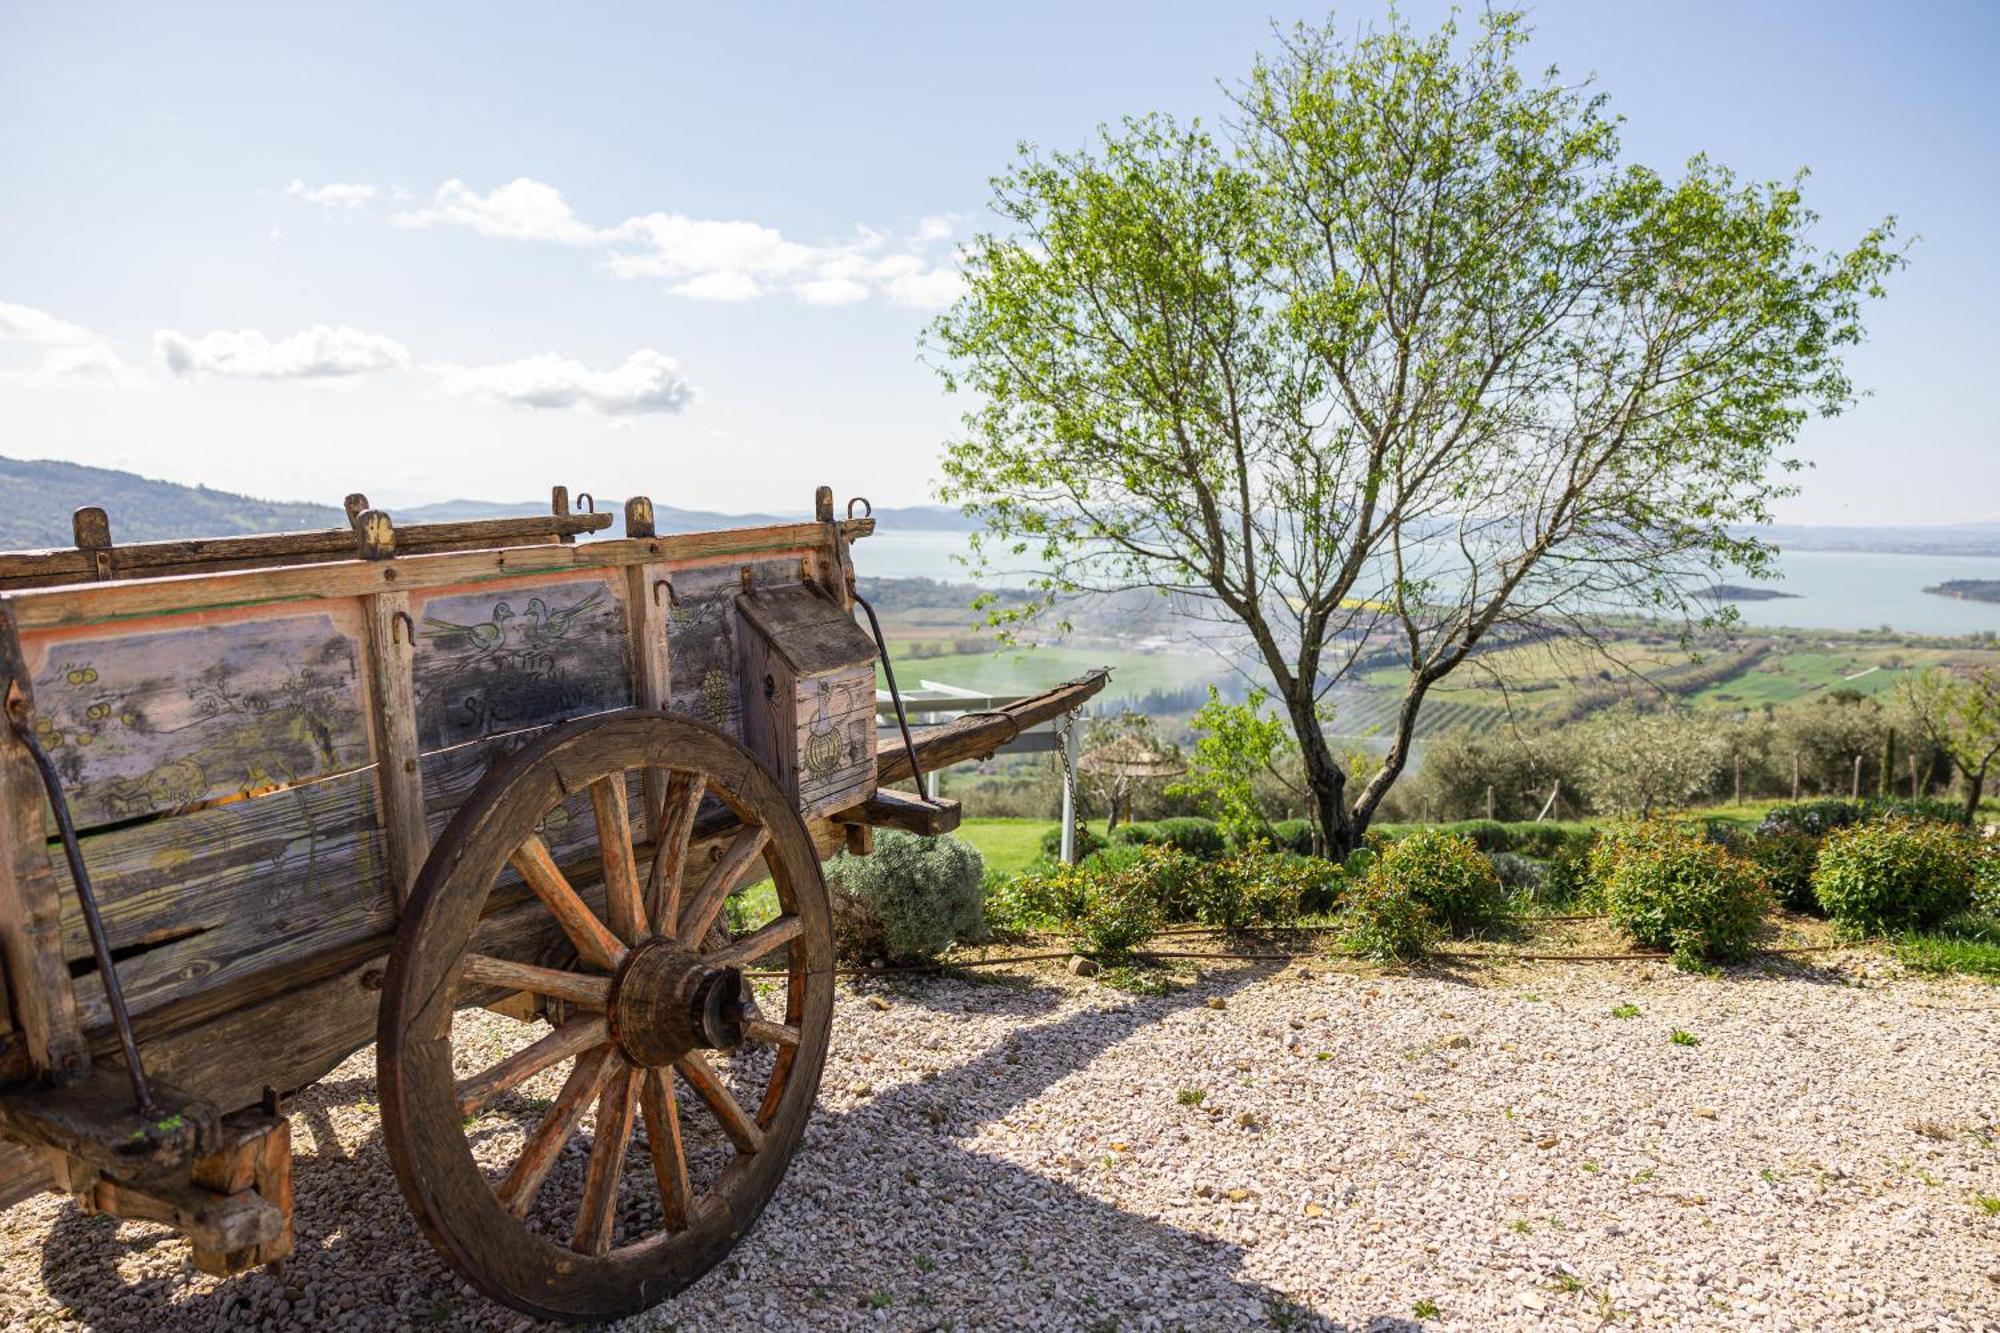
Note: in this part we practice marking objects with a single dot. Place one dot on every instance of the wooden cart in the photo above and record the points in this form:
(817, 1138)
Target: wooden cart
(264, 800)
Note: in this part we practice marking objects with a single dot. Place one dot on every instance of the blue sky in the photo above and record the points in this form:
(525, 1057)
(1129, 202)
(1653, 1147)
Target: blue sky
(732, 222)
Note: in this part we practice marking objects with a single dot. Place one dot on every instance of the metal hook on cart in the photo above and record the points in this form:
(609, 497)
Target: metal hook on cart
(79, 874)
(867, 509)
(895, 697)
(586, 502)
(401, 620)
(673, 598)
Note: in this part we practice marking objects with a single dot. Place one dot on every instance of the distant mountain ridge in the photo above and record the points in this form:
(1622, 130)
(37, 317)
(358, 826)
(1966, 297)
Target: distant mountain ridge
(37, 498)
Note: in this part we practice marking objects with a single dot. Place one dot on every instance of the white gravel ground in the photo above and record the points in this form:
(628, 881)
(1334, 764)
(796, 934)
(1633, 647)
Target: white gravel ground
(1482, 1150)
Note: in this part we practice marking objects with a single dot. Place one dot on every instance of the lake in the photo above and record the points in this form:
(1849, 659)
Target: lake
(1830, 589)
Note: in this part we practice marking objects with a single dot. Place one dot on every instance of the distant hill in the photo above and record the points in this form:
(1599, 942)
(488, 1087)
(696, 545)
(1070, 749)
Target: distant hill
(38, 497)
(1910, 539)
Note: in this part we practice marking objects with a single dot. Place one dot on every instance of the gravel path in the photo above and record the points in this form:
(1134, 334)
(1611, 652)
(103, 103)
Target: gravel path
(1487, 1149)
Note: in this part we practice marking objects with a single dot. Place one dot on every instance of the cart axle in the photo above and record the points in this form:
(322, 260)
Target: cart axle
(666, 1001)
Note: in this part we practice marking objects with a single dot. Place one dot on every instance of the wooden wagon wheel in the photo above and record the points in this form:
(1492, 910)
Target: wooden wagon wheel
(639, 1007)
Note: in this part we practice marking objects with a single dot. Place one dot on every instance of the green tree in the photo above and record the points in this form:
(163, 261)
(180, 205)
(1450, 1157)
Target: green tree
(1411, 360)
(1635, 762)
(1236, 745)
(1958, 712)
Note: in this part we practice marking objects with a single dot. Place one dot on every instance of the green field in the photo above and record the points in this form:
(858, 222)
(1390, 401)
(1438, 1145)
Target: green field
(1026, 670)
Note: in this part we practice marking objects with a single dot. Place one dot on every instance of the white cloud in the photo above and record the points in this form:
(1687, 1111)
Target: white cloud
(936, 227)
(648, 381)
(724, 284)
(70, 353)
(831, 291)
(343, 195)
(320, 352)
(704, 258)
(24, 323)
(521, 210)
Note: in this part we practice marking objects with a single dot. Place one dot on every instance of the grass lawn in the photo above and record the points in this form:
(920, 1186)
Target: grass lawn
(1007, 844)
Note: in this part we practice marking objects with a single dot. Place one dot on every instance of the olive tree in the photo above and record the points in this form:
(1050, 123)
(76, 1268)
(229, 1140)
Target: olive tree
(1958, 712)
(1408, 359)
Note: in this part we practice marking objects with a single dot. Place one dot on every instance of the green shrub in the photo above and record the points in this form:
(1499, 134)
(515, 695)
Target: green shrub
(1668, 887)
(1521, 875)
(1787, 860)
(913, 897)
(1931, 808)
(1088, 840)
(1900, 874)
(1107, 904)
(1986, 878)
(1817, 818)
(1488, 835)
(1821, 817)
(1381, 919)
(1547, 838)
(1566, 878)
(1186, 833)
(1293, 835)
(1120, 912)
(1448, 875)
(1262, 887)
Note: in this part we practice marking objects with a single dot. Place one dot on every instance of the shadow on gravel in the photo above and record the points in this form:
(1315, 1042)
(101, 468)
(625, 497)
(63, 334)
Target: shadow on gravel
(882, 1202)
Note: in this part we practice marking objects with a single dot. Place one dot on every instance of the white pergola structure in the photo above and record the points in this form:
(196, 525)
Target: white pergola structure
(932, 702)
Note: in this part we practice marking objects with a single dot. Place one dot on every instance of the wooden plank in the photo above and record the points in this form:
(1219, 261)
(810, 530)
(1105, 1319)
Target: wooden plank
(195, 901)
(259, 1158)
(392, 716)
(100, 560)
(704, 671)
(93, 1119)
(494, 661)
(86, 604)
(214, 1222)
(898, 810)
(159, 717)
(835, 739)
(646, 630)
(40, 997)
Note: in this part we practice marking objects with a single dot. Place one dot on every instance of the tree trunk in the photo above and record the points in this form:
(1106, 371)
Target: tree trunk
(1326, 783)
(1975, 787)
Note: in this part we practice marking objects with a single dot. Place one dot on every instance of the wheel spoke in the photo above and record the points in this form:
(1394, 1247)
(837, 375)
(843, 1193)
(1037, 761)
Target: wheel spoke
(538, 1155)
(594, 942)
(707, 904)
(597, 1218)
(673, 830)
(591, 992)
(758, 943)
(663, 1142)
(771, 1033)
(736, 1123)
(614, 845)
(480, 1091)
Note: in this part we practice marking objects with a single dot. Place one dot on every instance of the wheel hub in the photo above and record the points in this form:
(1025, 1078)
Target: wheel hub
(666, 1002)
